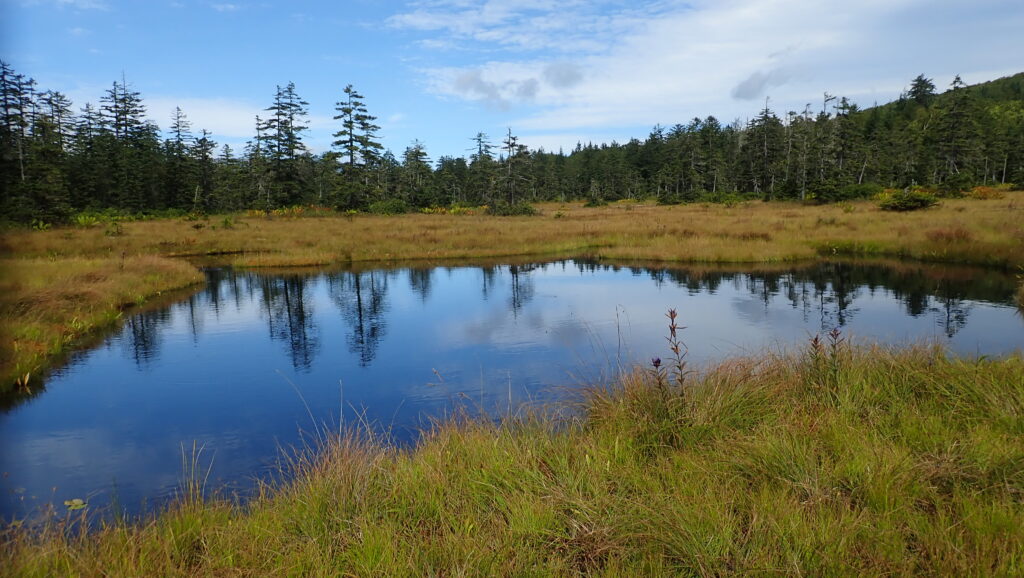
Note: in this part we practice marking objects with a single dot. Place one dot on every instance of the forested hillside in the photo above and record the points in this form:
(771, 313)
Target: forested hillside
(56, 161)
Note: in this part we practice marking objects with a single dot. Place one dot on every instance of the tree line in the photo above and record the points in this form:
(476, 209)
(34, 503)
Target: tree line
(55, 161)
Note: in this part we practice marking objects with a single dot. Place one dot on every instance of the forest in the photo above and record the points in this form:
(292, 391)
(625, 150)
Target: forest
(56, 163)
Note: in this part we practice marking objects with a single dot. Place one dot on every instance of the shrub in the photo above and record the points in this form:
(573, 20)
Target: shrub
(520, 209)
(908, 200)
(389, 207)
(86, 220)
(985, 193)
(460, 211)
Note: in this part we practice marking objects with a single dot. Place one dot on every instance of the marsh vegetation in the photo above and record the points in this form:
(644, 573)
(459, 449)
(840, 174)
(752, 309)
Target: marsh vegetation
(107, 271)
(833, 460)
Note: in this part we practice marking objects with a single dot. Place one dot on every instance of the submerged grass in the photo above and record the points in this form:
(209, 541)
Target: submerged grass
(971, 231)
(835, 461)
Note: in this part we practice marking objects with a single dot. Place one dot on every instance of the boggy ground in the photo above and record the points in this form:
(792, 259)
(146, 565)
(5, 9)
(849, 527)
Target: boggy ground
(834, 461)
(62, 284)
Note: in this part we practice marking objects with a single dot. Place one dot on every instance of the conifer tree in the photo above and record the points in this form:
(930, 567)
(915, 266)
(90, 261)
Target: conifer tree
(284, 128)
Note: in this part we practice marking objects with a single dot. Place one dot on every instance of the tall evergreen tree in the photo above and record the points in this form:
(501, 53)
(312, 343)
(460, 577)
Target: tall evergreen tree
(958, 138)
(922, 90)
(284, 128)
(180, 173)
(415, 184)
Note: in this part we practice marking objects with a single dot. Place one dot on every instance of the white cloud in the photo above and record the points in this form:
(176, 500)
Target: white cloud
(223, 117)
(501, 85)
(226, 7)
(575, 69)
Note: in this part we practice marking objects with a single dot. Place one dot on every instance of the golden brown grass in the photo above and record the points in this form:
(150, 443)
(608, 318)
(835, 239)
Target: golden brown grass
(47, 306)
(862, 462)
(965, 230)
(988, 232)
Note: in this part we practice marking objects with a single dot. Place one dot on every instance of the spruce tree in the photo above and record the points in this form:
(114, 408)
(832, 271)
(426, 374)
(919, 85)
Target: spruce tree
(284, 128)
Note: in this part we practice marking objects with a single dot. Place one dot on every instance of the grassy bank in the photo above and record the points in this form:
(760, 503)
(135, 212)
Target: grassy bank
(47, 306)
(831, 462)
(41, 323)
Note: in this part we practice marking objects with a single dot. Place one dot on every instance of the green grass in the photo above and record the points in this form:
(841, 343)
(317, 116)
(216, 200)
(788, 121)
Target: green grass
(834, 461)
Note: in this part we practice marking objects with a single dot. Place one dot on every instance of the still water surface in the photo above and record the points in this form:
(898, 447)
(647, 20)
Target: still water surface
(254, 361)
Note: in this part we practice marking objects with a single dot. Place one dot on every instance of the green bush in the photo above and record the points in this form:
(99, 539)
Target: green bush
(389, 207)
(520, 209)
(908, 200)
(85, 220)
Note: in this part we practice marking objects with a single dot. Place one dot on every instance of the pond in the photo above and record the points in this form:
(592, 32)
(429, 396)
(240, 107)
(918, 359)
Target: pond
(255, 362)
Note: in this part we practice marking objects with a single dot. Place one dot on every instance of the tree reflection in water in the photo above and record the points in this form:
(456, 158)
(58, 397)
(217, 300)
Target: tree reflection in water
(290, 317)
(362, 300)
(828, 291)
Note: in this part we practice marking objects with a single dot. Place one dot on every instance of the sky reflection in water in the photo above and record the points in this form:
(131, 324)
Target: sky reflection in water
(234, 367)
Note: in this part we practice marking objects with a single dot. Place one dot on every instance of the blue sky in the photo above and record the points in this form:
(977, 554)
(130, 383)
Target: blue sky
(556, 72)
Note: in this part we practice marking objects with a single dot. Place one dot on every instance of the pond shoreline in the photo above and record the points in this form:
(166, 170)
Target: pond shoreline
(410, 342)
(831, 460)
(27, 368)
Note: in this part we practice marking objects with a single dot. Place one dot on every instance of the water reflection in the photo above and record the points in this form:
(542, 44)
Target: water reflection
(253, 358)
(362, 300)
(825, 294)
(290, 317)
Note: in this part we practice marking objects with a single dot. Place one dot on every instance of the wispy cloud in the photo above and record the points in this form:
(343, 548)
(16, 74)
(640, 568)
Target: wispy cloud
(755, 85)
(85, 4)
(75, 4)
(226, 7)
(225, 117)
(527, 25)
(575, 67)
(502, 85)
